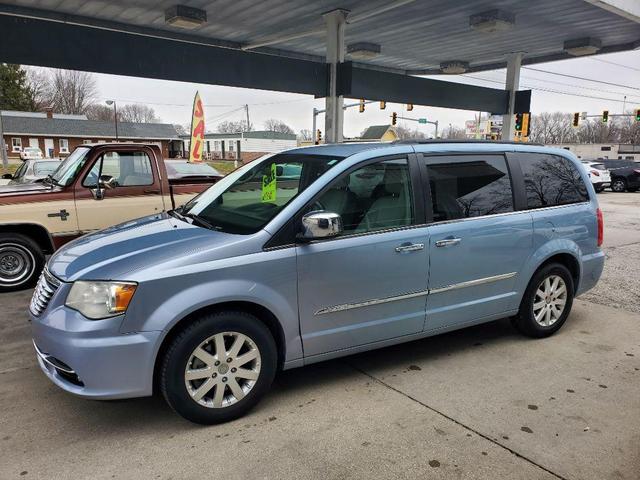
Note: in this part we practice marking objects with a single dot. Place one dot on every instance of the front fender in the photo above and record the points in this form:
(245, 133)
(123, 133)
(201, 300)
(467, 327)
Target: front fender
(271, 283)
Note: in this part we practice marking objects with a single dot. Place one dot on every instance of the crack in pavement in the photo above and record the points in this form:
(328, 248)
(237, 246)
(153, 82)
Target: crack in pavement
(457, 422)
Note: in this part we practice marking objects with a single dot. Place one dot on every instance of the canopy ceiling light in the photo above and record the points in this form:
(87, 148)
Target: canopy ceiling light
(182, 16)
(454, 67)
(582, 46)
(363, 50)
(492, 21)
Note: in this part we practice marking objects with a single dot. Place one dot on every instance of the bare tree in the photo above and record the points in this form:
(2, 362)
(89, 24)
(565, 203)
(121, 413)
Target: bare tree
(552, 128)
(181, 129)
(408, 134)
(234, 127)
(629, 129)
(38, 80)
(101, 112)
(69, 91)
(136, 113)
(454, 133)
(593, 130)
(273, 125)
(305, 135)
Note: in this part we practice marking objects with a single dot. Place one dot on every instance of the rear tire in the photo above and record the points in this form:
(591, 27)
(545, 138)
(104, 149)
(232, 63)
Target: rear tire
(632, 189)
(547, 302)
(206, 385)
(619, 185)
(21, 261)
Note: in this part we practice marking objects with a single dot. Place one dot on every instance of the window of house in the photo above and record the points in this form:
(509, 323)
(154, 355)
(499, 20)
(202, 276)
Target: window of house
(605, 149)
(16, 144)
(469, 187)
(64, 145)
(551, 180)
(216, 145)
(128, 168)
(374, 197)
(231, 146)
(85, 141)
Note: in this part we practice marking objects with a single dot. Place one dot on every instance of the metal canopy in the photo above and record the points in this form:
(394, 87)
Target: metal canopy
(415, 37)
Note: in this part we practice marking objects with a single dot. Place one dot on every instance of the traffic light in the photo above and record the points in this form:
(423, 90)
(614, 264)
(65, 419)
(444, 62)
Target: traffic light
(409, 107)
(383, 105)
(318, 137)
(394, 118)
(605, 116)
(518, 122)
(526, 125)
(576, 119)
(637, 114)
(361, 107)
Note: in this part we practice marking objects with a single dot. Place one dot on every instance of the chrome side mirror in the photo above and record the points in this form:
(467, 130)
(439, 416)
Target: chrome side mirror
(107, 181)
(321, 224)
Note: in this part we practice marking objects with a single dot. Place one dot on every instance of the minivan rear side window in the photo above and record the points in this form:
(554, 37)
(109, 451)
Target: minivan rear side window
(551, 180)
(472, 186)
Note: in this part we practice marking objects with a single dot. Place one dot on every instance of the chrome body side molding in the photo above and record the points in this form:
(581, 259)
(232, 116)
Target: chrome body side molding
(422, 293)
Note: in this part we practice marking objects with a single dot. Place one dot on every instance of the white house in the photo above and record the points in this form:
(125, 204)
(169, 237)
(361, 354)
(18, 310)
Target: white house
(251, 145)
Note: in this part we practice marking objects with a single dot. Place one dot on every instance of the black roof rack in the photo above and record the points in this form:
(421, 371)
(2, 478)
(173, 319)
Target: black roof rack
(466, 140)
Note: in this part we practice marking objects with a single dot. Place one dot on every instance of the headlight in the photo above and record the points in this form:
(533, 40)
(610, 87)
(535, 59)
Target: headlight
(98, 300)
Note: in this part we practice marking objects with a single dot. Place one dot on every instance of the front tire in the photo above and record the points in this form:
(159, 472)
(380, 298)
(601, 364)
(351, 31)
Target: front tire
(547, 302)
(219, 367)
(599, 189)
(21, 261)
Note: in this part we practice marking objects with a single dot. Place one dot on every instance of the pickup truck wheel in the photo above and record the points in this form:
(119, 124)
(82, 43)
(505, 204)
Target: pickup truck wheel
(546, 303)
(218, 367)
(21, 261)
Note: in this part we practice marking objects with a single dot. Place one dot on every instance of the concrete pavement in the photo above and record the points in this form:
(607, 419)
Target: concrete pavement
(480, 403)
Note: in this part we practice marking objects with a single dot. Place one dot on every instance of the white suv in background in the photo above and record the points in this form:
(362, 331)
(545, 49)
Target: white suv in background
(598, 174)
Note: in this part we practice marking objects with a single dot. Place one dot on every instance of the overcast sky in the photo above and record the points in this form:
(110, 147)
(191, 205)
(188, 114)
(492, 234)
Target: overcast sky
(172, 100)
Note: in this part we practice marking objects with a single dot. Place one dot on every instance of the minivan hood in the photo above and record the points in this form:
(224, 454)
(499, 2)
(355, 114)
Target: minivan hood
(118, 252)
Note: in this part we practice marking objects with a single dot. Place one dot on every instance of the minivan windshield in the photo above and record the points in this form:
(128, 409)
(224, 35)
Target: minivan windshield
(246, 200)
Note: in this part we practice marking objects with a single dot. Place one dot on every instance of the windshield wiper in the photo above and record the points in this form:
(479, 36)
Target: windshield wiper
(200, 221)
(49, 179)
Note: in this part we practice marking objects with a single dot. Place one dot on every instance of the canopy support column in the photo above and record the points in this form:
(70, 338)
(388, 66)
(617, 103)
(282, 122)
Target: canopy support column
(336, 21)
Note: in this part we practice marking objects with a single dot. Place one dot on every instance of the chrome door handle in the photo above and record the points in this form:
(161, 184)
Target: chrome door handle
(411, 247)
(448, 241)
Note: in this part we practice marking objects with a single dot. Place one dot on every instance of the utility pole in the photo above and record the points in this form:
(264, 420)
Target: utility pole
(246, 108)
(3, 150)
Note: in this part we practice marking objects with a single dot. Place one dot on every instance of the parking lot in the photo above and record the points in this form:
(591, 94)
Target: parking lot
(483, 402)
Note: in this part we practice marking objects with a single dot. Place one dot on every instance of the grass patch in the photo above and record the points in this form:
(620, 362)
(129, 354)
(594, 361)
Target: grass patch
(223, 167)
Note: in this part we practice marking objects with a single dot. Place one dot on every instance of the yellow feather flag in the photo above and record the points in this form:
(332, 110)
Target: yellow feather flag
(196, 146)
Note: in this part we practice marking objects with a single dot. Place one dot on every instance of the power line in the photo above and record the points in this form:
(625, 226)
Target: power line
(614, 63)
(581, 78)
(550, 90)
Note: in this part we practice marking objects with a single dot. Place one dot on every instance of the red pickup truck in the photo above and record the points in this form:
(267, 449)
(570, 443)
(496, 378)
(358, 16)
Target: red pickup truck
(97, 186)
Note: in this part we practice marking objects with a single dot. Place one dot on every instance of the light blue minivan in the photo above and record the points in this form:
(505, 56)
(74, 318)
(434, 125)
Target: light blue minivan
(312, 254)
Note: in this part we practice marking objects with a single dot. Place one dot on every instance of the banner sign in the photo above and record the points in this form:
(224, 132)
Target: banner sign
(196, 145)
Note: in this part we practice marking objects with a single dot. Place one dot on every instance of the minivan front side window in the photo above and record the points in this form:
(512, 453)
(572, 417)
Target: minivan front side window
(249, 198)
(472, 187)
(376, 196)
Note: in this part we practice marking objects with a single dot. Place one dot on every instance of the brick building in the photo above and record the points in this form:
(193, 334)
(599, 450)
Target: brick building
(57, 134)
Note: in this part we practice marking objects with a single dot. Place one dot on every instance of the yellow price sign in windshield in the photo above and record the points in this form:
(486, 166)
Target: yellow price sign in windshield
(269, 185)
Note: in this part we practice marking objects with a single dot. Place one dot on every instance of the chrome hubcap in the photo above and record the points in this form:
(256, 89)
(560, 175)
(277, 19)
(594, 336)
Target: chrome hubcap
(222, 370)
(16, 264)
(618, 186)
(550, 300)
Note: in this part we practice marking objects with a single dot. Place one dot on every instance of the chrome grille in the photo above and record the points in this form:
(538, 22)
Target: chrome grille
(46, 287)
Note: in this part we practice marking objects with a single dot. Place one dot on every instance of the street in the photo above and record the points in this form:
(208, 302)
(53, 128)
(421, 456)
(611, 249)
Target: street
(484, 402)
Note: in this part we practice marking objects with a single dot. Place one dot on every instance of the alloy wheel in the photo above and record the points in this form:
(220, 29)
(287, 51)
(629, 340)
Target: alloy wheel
(550, 300)
(222, 370)
(16, 264)
(618, 186)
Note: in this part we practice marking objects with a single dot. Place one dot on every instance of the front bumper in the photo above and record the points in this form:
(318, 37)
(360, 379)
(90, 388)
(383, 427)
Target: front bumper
(91, 358)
